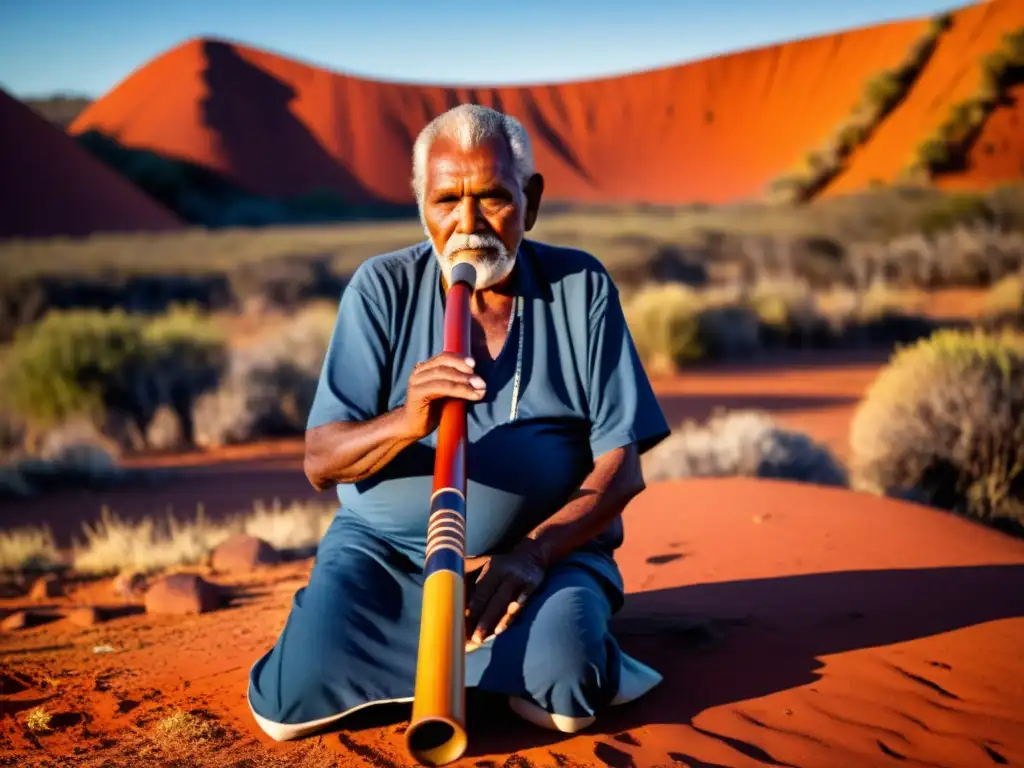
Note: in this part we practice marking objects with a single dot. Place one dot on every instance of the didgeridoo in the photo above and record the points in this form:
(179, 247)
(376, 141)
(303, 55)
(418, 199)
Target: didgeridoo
(437, 729)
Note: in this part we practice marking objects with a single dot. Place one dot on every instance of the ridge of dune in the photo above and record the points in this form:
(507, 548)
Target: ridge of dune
(953, 74)
(714, 130)
(58, 188)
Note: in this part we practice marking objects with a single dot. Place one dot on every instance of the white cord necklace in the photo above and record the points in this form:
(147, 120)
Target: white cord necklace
(518, 313)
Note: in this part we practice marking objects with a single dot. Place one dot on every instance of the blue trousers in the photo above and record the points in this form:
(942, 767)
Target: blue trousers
(351, 640)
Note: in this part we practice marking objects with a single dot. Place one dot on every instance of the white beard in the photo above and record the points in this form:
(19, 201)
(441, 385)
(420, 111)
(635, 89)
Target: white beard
(492, 266)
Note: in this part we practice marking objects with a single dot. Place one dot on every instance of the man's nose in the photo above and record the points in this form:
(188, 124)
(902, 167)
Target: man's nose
(469, 216)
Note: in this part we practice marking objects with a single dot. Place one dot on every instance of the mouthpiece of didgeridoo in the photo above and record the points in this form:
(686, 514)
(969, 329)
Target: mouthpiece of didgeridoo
(464, 272)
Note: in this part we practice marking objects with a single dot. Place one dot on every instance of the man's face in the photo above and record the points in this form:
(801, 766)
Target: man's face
(474, 208)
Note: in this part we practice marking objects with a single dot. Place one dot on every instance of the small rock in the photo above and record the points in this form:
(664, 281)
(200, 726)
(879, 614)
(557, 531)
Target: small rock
(129, 584)
(182, 593)
(17, 620)
(46, 588)
(85, 617)
(26, 619)
(243, 552)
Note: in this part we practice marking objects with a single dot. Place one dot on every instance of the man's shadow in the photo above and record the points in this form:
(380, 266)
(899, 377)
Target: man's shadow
(716, 644)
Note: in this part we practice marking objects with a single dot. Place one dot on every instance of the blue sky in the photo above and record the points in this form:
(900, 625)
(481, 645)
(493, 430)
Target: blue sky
(87, 46)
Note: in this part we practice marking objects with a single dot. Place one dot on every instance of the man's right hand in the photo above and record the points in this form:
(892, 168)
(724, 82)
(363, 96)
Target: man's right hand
(432, 382)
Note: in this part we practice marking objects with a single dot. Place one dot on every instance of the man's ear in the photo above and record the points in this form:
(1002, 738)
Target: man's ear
(534, 190)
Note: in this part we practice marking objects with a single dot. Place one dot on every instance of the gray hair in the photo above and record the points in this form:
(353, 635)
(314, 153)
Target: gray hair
(470, 125)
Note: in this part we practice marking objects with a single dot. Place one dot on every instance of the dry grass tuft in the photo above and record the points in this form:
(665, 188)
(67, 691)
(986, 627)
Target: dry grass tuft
(742, 444)
(269, 385)
(1006, 298)
(28, 548)
(188, 728)
(38, 720)
(944, 424)
(113, 545)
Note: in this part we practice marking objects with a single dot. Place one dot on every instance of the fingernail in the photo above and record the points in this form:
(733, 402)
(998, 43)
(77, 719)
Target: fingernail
(470, 362)
(477, 382)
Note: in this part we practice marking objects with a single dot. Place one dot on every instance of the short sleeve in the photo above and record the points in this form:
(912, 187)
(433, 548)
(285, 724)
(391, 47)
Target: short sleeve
(622, 405)
(352, 385)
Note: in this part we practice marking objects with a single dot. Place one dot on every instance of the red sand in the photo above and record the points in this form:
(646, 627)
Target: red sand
(52, 187)
(714, 130)
(851, 631)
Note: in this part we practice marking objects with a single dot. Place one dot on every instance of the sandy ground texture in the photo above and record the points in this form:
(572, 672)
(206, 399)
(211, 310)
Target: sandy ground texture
(794, 625)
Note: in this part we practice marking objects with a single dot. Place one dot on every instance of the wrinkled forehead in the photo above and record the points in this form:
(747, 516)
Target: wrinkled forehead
(489, 163)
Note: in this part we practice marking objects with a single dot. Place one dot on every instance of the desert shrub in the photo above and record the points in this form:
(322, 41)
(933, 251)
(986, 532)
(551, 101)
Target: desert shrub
(882, 91)
(88, 364)
(269, 386)
(113, 545)
(742, 443)
(663, 320)
(788, 313)
(955, 209)
(186, 355)
(73, 363)
(27, 548)
(944, 424)
(74, 455)
(1005, 299)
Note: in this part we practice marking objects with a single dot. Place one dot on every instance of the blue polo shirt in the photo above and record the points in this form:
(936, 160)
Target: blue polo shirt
(582, 392)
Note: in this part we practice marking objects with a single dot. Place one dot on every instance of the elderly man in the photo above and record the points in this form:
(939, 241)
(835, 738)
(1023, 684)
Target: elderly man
(560, 410)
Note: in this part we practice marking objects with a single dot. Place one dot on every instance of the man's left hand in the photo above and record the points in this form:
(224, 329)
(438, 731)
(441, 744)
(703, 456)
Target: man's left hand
(504, 584)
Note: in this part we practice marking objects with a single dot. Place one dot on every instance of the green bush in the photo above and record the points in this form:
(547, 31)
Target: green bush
(664, 322)
(883, 91)
(954, 209)
(943, 424)
(85, 363)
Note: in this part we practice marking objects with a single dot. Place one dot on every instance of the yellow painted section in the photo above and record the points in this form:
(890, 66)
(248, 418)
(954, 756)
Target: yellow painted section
(440, 693)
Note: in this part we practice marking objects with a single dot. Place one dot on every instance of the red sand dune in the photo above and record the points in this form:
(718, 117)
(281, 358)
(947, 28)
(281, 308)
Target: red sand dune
(713, 130)
(794, 625)
(53, 187)
(952, 75)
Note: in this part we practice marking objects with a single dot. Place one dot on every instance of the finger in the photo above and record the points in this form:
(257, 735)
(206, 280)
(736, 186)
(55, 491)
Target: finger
(510, 613)
(496, 608)
(482, 590)
(436, 389)
(446, 373)
(462, 363)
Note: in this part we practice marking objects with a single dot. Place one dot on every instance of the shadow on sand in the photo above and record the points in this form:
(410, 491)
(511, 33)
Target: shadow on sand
(721, 643)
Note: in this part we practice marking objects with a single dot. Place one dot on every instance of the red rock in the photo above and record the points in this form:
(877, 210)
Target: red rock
(182, 593)
(46, 588)
(129, 584)
(85, 617)
(243, 552)
(26, 619)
